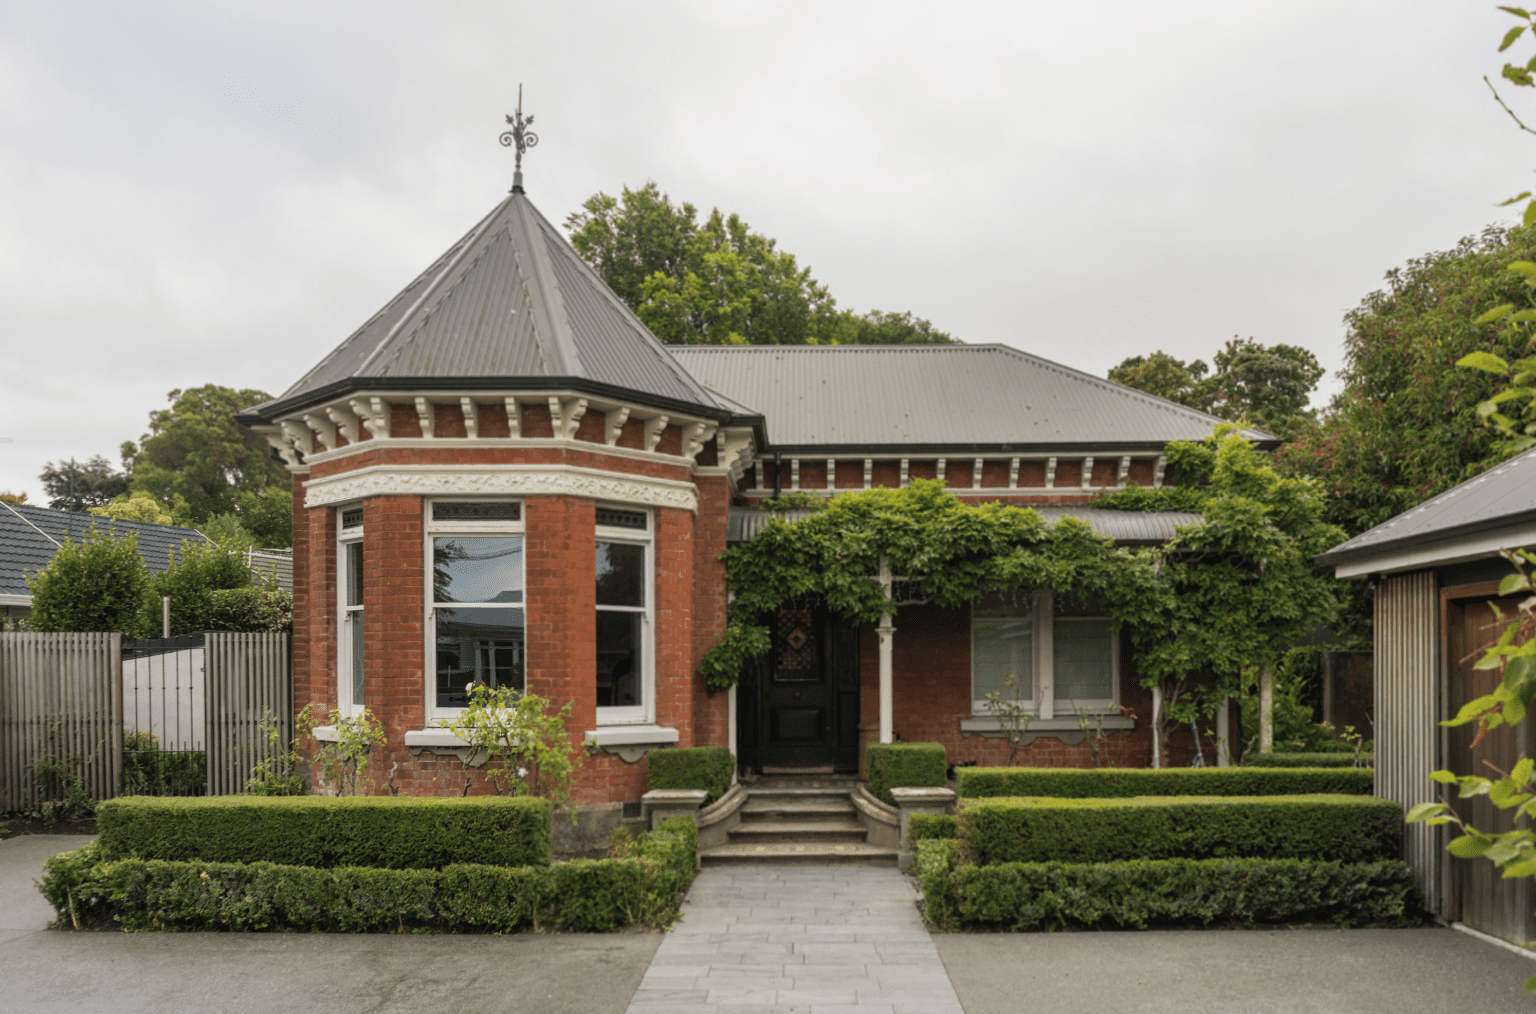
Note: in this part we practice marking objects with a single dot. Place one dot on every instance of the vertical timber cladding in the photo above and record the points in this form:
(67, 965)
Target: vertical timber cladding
(61, 697)
(1408, 693)
(249, 676)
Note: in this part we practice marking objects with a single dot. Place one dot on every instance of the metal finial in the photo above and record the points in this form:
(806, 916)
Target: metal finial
(520, 136)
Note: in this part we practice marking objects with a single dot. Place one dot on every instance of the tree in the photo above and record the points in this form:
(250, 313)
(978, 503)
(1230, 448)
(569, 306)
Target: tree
(195, 451)
(719, 282)
(100, 584)
(191, 580)
(137, 507)
(1406, 426)
(9, 497)
(1166, 377)
(78, 486)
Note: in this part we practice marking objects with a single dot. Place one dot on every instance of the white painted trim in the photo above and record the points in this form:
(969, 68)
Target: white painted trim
(15, 600)
(500, 480)
(632, 735)
(432, 737)
(969, 491)
(1112, 722)
(1419, 556)
(462, 443)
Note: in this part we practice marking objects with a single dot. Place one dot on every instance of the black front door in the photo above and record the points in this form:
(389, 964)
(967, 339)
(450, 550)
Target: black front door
(805, 711)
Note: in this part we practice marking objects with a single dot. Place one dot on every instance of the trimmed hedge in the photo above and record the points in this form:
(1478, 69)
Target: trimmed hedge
(1341, 828)
(695, 767)
(325, 832)
(904, 765)
(1141, 893)
(1305, 760)
(930, 827)
(1121, 783)
(583, 895)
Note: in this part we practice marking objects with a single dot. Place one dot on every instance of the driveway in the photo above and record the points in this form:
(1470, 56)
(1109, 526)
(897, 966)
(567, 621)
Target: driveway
(169, 973)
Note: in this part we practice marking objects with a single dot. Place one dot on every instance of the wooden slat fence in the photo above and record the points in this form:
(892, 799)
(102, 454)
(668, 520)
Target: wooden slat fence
(248, 676)
(61, 698)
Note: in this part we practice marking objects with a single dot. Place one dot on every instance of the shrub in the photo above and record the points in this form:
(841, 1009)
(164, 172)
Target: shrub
(390, 832)
(525, 746)
(904, 765)
(100, 584)
(149, 771)
(1343, 828)
(699, 767)
(1305, 760)
(1140, 893)
(1113, 783)
(585, 895)
(191, 580)
(930, 827)
(250, 610)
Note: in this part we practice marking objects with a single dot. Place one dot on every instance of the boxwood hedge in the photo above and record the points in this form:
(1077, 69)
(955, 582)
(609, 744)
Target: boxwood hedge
(1342, 828)
(1141, 893)
(904, 765)
(1108, 783)
(1304, 760)
(929, 827)
(88, 889)
(695, 767)
(323, 832)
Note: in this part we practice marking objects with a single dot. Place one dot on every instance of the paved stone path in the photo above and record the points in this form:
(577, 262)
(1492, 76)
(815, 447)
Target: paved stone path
(803, 939)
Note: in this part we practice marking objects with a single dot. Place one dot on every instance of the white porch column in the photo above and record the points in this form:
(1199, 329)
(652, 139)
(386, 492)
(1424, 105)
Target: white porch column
(887, 633)
(1267, 709)
(730, 725)
(1224, 735)
(1157, 717)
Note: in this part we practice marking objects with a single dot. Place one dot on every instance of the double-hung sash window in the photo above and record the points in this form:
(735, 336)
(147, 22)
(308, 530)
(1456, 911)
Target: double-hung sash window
(625, 671)
(351, 651)
(1060, 652)
(476, 616)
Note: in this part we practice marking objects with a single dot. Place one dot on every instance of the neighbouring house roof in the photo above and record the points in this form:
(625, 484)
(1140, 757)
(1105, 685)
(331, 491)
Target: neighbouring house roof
(1487, 513)
(953, 397)
(273, 563)
(1123, 526)
(29, 537)
(510, 301)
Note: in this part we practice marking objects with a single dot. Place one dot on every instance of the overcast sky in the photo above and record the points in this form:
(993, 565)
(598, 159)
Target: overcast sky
(211, 192)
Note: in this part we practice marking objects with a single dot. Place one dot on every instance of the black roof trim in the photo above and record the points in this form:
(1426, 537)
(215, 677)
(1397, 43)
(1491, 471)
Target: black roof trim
(888, 450)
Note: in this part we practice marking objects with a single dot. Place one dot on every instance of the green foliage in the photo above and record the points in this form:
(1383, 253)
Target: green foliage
(60, 782)
(718, 282)
(195, 574)
(700, 767)
(342, 761)
(278, 773)
(584, 896)
(1120, 783)
(149, 771)
(1307, 760)
(930, 827)
(251, 610)
(394, 832)
(80, 485)
(1166, 377)
(1139, 893)
(1011, 715)
(1406, 426)
(138, 507)
(1344, 828)
(522, 745)
(738, 647)
(100, 584)
(903, 765)
(196, 457)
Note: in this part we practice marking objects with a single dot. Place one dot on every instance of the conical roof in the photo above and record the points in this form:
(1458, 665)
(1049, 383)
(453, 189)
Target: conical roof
(509, 304)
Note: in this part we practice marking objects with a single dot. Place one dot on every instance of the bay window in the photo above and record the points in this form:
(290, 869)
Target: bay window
(476, 618)
(624, 637)
(351, 652)
(1060, 650)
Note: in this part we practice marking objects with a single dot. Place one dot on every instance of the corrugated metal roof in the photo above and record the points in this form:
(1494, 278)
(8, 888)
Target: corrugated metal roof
(510, 299)
(937, 395)
(1502, 495)
(25, 549)
(744, 523)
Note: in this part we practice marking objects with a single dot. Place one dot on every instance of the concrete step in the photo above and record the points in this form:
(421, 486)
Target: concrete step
(797, 791)
(797, 809)
(800, 831)
(799, 853)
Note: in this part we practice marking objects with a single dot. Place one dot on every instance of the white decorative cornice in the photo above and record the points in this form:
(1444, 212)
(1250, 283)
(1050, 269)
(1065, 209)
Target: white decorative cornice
(500, 480)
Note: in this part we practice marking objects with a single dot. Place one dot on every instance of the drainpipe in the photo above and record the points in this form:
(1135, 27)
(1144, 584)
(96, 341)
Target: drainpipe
(777, 479)
(887, 634)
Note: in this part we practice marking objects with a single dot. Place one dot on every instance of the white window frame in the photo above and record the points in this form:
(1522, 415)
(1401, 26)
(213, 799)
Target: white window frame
(645, 712)
(347, 616)
(1044, 704)
(440, 716)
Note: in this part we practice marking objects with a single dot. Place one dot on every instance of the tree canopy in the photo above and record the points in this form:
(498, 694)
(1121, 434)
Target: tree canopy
(80, 485)
(719, 282)
(1264, 386)
(1406, 425)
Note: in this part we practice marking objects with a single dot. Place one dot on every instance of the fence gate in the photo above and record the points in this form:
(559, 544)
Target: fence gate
(60, 702)
(178, 716)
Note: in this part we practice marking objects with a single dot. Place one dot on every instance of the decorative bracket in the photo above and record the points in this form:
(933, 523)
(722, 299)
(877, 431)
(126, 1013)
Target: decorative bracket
(514, 417)
(428, 417)
(653, 431)
(1158, 469)
(300, 437)
(904, 463)
(1013, 474)
(345, 421)
(1050, 473)
(374, 413)
(567, 415)
(280, 444)
(471, 416)
(1087, 472)
(794, 473)
(938, 471)
(323, 428)
(614, 421)
(831, 475)
(869, 473)
(697, 434)
(1125, 469)
(976, 473)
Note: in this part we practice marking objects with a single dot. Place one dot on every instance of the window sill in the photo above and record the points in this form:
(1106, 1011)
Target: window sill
(432, 737)
(325, 733)
(632, 735)
(1110, 723)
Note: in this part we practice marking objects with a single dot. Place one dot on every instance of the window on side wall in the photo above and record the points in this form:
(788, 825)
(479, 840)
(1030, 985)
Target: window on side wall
(351, 651)
(477, 623)
(1061, 652)
(625, 674)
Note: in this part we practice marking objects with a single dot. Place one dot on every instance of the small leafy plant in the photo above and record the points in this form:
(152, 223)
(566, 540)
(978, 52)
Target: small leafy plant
(277, 774)
(518, 743)
(343, 762)
(1011, 715)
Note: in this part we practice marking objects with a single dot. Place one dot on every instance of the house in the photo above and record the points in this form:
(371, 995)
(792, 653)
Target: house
(1436, 571)
(503, 477)
(29, 536)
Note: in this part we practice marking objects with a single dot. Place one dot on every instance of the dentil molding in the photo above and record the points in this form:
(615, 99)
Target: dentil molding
(500, 480)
